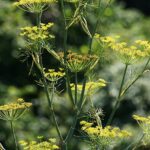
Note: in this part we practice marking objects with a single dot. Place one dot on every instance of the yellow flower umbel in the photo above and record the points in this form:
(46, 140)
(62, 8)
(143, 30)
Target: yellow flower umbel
(37, 34)
(91, 87)
(14, 111)
(128, 54)
(42, 145)
(34, 6)
(103, 137)
(144, 123)
(53, 75)
(78, 62)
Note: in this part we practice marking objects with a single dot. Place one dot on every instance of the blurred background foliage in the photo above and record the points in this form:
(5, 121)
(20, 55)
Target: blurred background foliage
(129, 19)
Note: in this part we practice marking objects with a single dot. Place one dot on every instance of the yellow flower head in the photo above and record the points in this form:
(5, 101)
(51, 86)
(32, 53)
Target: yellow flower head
(53, 75)
(142, 119)
(104, 136)
(78, 62)
(144, 123)
(13, 111)
(91, 87)
(128, 54)
(99, 131)
(37, 34)
(42, 145)
(34, 6)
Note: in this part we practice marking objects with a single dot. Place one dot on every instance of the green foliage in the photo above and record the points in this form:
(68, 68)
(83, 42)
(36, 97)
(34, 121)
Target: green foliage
(81, 19)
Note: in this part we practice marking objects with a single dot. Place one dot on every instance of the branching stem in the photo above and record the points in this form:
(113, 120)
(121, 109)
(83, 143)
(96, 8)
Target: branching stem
(118, 100)
(39, 65)
(143, 70)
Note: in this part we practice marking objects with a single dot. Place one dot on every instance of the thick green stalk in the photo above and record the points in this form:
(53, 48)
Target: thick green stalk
(76, 84)
(79, 106)
(80, 103)
(78, 111)
(72, 128)
(39, 16)
(14, 135)
(118, 98)
(70, 133)
(65, 51)
(69, 88)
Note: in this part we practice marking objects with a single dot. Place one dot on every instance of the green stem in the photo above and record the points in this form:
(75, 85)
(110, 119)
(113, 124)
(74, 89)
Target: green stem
(53, 114)
(118, 98)
(79, 106)
(145, 67)
(122, 92)
(64, 27)
(95, 27)
(92, 105)
(68, 87)
(134, 145)
(49, 98)
(14, 135)
(82, 95)
(76, 84)
(72, 128)
(39, 16)
(65, 51)
(66, 69)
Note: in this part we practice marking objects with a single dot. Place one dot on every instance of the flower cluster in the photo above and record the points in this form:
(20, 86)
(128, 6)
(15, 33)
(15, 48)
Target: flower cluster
(13, 111)
(37, 34)
(103, 137)
(42, 145)
(34, 6)
(53, 75)
(127, 53)
(99, 131)
(144, 123)
(141, 119)
(90, 87)
(77, 62)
